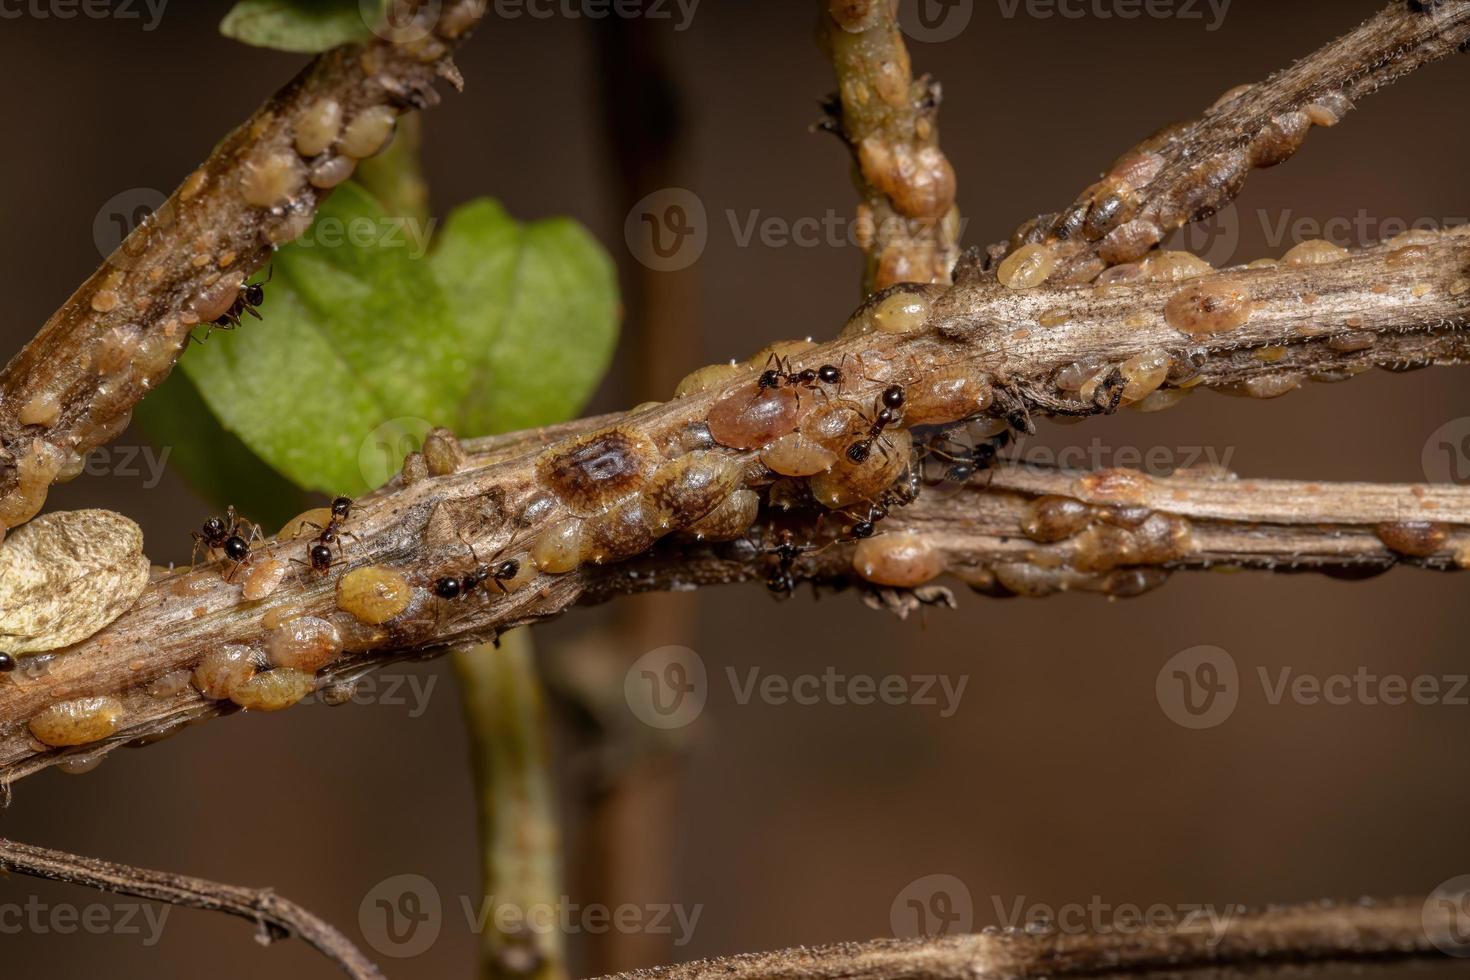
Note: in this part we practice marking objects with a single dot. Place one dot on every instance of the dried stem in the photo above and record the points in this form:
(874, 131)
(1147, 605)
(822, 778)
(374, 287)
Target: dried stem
(74, 386)
(277, 917)
(1130, 532)
(1326, 932)
(907, 222)
(1189, 171)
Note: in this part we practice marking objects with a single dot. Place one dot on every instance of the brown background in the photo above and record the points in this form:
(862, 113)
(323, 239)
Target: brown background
(1059, 778)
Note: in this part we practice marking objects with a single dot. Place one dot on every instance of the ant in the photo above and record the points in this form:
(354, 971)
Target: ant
(250, 298)
(7, 663)
(781, 581)
(892, 400)
(223, 534)
(781, 373)
(900, 494)
(319, 556)
(498, 572)
(967, 462)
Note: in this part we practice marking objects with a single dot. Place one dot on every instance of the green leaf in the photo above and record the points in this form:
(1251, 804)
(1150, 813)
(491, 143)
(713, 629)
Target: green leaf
(305, 26)
(367, 342)
(220, 467)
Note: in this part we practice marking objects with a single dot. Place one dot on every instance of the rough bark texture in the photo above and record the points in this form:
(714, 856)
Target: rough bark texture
(1368, 931)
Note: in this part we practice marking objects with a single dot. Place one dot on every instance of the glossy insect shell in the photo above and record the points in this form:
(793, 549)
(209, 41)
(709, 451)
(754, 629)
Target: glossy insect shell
(594, 472)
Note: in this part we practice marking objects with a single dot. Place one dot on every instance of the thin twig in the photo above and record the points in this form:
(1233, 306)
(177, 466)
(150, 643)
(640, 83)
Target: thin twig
(907, 223)
(1326, 932)
(74, 386)
(1189, 171)
(277, 917)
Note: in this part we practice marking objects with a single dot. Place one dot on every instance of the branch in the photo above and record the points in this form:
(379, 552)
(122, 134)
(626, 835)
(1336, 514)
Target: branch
(277, 917)
(907, 223)
(1189, 171)
(1016, 530)
(1326, 932)
(74, 386)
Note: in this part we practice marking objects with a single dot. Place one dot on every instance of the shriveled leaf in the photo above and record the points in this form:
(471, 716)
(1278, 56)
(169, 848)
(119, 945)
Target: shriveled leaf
(304, 26)
(66, 575)
(367, 343)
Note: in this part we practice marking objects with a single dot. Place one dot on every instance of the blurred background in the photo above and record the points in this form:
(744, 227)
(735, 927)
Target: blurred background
(1055, 780)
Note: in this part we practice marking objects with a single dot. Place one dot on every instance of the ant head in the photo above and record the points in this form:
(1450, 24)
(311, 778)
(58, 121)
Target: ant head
(341, 507)
(255, 294)
(863, 529)
(769, 378)
(214, 527)
(507, 569)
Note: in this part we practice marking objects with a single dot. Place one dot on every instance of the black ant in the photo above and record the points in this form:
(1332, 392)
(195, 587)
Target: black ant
(781, 581)
(223, 534)
(891, 413)
(778, 372)
(319, 556)
(498, 572)
(7, 663)
(900, 494)
(967, 462)
(250, 298)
